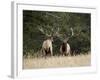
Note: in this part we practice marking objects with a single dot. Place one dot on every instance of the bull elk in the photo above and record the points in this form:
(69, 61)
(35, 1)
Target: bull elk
(50, 33)
(47, 49)
(65, 47)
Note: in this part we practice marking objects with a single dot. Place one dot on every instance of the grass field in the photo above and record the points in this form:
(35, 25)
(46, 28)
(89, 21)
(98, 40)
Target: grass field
(55, 61)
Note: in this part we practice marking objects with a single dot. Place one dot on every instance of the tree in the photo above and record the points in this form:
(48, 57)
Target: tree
(37, 25)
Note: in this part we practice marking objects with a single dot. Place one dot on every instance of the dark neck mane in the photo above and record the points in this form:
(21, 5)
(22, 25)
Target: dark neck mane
(64, 46)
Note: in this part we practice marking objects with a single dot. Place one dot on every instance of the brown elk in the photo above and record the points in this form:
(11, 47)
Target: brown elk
(65, 47)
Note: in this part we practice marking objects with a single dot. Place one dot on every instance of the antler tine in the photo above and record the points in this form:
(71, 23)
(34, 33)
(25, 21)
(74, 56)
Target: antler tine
(72, 31)
(43, 31)
(57, 32)
(40, 29)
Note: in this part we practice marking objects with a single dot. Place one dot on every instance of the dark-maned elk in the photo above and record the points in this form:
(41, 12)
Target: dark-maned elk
(47, 49)
(65, 47)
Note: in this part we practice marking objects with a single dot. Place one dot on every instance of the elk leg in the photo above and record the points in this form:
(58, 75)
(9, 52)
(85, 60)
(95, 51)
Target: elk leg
(43, 52)
(51, 53)
(65, 54)
(69, 54)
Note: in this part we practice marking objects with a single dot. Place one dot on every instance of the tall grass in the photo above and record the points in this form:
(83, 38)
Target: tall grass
(57, 61)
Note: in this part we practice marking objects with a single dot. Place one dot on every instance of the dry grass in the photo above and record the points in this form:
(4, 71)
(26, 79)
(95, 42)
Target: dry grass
(55, 61)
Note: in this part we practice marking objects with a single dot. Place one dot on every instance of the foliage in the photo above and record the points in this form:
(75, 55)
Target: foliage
(50, 22)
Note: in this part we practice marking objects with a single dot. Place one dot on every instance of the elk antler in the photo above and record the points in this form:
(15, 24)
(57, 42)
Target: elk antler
(58, 34)
(72, 31)
(44, 31)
